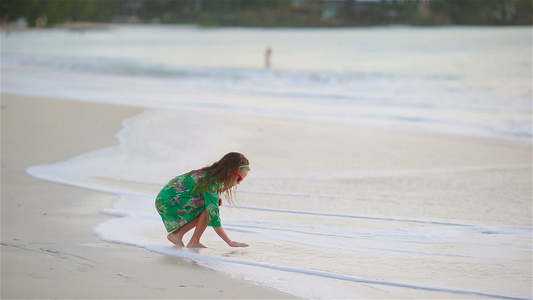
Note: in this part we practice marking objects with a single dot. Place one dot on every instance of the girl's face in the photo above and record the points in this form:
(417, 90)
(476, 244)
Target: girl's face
(243, 172)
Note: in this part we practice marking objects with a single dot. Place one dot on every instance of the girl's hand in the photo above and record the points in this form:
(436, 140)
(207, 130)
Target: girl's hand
(237, 244)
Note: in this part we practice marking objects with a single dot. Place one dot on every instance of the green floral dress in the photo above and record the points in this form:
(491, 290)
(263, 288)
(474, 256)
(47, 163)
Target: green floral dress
(178, 203)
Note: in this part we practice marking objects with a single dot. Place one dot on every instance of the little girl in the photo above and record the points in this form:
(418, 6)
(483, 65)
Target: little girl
(192, 199)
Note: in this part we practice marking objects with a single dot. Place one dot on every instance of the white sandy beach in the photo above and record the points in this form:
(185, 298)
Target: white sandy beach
(48, 249)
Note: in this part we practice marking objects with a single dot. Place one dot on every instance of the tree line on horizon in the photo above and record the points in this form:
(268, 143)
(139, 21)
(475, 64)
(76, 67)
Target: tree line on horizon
(269, 13)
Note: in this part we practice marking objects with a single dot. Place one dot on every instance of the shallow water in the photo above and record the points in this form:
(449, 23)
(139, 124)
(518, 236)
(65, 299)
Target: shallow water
(473, 81)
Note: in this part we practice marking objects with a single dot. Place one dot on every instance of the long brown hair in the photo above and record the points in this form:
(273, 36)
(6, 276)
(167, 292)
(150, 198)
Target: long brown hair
(223, 171)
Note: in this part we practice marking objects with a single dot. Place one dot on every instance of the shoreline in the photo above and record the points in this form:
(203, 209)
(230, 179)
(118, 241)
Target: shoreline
(471, 162)
(48, 248)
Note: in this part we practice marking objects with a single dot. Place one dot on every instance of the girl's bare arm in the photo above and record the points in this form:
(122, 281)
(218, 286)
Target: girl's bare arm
(222, 233)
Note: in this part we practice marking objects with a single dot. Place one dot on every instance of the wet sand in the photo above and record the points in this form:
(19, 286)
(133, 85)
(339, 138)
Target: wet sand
(48, 249)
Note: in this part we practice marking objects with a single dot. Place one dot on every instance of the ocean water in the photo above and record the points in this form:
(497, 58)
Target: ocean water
(469, 82)
(478, 79)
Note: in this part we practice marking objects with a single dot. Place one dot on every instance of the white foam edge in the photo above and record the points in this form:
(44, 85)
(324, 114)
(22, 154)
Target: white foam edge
(101, 230)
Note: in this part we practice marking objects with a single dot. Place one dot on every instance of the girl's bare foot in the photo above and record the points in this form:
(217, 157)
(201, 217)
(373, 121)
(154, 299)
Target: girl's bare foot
(195, 245)
(176, 239)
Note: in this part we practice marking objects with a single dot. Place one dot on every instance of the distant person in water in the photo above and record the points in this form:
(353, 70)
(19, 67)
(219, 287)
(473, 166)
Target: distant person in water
(193, 199)
(268, 53)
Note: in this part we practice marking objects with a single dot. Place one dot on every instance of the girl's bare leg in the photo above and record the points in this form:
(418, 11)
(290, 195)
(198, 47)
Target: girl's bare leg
(200, 228)
(176, 236)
